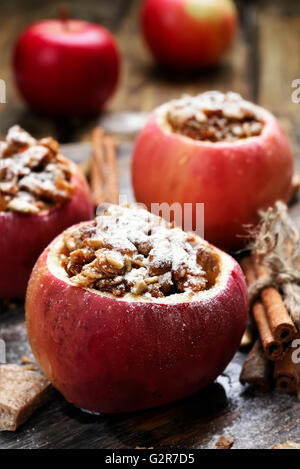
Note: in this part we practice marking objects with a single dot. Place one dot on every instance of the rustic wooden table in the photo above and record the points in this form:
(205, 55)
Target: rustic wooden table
(262, 65)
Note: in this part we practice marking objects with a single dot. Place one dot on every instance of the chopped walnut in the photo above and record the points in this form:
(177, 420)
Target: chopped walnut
(33, 175)
(110, 262)
(77, 259)
(139, 287)
(19, 138)
(225, 442)
(192, 282)
(214, 116)
(209, 263)
(20, 204)
(127, 250)
(160, 261)
(50, 143)
(289, 444)
(4, 201)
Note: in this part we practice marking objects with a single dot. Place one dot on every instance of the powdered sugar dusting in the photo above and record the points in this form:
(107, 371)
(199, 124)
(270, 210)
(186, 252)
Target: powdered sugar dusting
(128, 249)
(214, 116)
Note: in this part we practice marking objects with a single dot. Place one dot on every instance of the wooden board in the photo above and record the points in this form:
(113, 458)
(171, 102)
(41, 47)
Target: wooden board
(261, 65)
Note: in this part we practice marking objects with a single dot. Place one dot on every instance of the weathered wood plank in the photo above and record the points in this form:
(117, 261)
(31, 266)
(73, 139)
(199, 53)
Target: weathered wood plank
(279, 65)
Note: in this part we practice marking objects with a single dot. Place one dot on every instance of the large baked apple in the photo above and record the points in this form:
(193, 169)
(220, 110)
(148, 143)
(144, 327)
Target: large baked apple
(128, 312)
(41, 194)
(216, 149)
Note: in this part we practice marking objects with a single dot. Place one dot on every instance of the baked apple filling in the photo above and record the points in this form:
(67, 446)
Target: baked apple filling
(129, 250)
(214, 116)
(33, 175)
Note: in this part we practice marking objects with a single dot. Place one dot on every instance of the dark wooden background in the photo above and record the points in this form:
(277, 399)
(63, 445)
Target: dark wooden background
(262, 65)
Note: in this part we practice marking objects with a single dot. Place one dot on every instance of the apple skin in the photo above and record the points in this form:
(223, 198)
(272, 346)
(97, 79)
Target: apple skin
(24, 237)
(108, 355)
(67, 68)
(233, 180)
(187, 35)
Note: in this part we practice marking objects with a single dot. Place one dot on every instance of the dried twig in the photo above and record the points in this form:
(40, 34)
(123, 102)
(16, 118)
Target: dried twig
(277, 248)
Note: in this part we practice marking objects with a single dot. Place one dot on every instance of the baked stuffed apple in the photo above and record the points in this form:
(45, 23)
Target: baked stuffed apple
(217, 149)
(128, 312)
(41, 194)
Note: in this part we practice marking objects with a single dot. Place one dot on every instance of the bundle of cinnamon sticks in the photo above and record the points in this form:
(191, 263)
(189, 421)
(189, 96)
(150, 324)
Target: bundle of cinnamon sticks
(103, 169)
(271, 358)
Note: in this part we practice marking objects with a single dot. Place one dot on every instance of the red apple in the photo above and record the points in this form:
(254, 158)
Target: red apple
(24, 236)
(188, 34)
(233, 179)
(66, 67)
(108, 355)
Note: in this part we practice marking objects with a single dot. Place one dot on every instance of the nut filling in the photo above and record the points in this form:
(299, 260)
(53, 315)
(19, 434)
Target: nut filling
(214, 116)
(129, 250)
(33, 175)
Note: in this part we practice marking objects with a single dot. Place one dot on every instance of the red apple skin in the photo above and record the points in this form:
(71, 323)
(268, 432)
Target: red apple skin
(68, 68)
(24, 237)
(185, 35)
(107, 355)
(233, 180)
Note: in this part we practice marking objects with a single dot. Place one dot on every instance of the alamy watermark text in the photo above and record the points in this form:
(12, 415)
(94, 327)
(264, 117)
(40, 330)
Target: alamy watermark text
(2, 92)
(2, 351)
(296, 93)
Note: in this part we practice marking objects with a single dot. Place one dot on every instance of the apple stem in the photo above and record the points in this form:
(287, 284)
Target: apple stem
(63, 14)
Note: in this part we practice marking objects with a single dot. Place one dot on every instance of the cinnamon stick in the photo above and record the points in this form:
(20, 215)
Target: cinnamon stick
(272, 347)
(286, 373)
(257, 369)
(112, 171)
(281, 324)
(97, 165)
(247, 266)
(104, 172)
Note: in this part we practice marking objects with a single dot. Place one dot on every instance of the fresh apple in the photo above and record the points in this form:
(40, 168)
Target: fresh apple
(234, 179)
(24, 236)
(66, 67)
(188, 34)
(107, 354)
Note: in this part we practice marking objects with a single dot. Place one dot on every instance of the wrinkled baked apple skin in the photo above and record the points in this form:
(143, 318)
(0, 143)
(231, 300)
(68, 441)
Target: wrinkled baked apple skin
(108, 355)
(233, 180)
(24, 237)
(185, 34)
